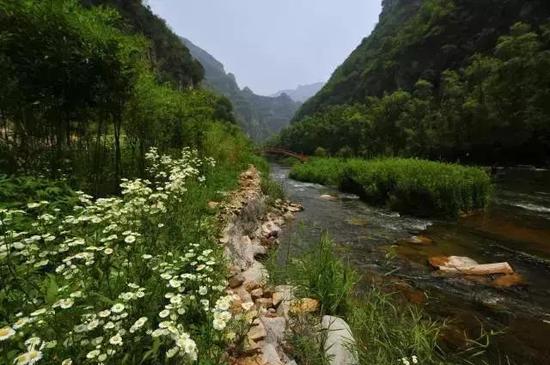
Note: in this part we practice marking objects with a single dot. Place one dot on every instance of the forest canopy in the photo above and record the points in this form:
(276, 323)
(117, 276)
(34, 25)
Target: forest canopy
(493, 110)
(81, 96)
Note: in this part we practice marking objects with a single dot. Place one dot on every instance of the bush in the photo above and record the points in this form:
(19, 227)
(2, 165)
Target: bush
(419, 187)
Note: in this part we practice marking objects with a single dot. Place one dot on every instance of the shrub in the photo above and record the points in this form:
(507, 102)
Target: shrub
(419, 187)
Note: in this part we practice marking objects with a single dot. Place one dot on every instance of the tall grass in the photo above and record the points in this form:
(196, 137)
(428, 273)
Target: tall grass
(385, 330)
(419, 187)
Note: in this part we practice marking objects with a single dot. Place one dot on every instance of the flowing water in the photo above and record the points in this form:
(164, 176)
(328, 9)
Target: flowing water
(515, 228)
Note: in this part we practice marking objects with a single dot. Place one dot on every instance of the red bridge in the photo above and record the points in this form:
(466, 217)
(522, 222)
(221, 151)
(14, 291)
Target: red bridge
(283, 152)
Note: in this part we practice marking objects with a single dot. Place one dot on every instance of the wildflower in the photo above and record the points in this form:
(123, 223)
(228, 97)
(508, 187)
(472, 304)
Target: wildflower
(175, 283)
(147, 257)
(414, 359)
(109, 325)
(130, 239)
(218, 324)
(117, 308)
(28, 358)
(203, 290)
(138, 324)
(38, 312)
(67, 362)
(93, 354)
(165, 313)
(104, 314)
(159, 332)
(6, 332)
(64, 303)
(92, 325)
(21, 322)
(172, 352)
(116, 340)
(108, 251)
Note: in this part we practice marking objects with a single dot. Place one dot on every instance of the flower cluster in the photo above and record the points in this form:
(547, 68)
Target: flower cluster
(112, 278)
(407, 361)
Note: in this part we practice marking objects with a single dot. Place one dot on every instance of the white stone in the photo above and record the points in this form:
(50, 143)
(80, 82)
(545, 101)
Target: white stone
(256, 276)
(270, 355)
(275, 328)
(339, 341)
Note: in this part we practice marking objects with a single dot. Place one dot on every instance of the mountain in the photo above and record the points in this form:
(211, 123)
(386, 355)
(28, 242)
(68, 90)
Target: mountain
(171, 58)
(454, 80)
(302, 92)
(260, 116)
(420, 39)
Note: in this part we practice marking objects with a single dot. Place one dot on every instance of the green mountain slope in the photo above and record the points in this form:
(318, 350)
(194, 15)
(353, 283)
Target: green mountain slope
(420, 39)
(171, 58)
(260, 116)
(457, 80)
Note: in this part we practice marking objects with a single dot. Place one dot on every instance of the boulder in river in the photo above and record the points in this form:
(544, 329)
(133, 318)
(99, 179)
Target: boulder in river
(339, 342)
(468, 266)
(328, 197)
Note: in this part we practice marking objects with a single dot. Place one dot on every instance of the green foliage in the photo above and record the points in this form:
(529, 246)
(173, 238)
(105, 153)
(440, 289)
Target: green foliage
(17, 192)
(319, 274)
(413, 186)
(425, 94)
(387, 331)
(172, 60)
(80, 96)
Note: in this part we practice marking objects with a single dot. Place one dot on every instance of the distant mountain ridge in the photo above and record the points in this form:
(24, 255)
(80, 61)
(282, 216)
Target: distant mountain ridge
(260, 116)
(302, 93)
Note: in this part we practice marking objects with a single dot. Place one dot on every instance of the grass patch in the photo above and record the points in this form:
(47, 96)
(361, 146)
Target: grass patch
(418, 187)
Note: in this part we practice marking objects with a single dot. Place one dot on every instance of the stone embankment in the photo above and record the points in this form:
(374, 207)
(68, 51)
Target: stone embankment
(251, 229)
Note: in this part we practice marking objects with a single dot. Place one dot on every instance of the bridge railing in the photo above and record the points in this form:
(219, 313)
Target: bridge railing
(284, 152)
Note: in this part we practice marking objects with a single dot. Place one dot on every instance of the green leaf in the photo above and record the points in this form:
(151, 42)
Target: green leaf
(52, 289)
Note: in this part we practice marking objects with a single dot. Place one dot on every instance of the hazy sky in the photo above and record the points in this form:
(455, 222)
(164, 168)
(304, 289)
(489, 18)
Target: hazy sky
(273, 44)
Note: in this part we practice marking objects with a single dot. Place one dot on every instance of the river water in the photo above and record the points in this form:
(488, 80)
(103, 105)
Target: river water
(515, 228)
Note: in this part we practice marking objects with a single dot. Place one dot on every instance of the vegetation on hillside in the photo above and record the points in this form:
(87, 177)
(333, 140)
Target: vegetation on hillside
(80, 97)
(439, 79)
(259, 116)
(413, 186)
(172, 60)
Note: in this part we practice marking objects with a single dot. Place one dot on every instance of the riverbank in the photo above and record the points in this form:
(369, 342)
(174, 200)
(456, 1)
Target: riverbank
(311, 307)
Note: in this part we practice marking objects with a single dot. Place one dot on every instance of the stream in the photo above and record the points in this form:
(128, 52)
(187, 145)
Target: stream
(515, 228)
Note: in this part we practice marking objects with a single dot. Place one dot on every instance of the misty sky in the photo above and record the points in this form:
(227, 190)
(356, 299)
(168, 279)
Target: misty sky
(272, 45)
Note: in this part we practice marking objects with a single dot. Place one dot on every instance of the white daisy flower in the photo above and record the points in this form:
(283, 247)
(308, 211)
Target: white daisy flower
(6, 332)
(118, 308)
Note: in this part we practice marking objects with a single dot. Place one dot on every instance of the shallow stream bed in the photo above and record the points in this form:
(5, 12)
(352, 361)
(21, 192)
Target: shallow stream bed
(515, 228)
